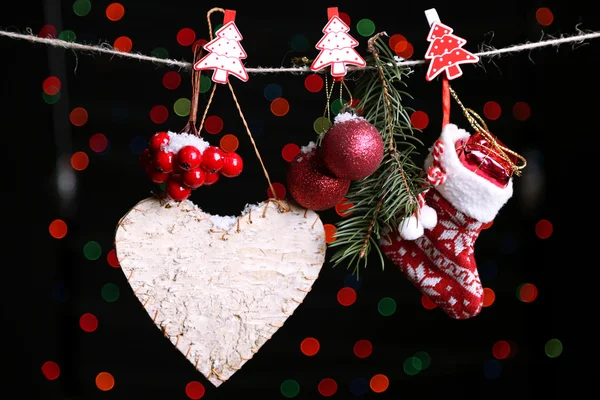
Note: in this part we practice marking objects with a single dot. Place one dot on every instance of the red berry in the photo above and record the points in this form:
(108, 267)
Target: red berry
(213, 159)
(194, 178)
(176, 189)
(233, 165)
(156, 176)
(163, 161)
(145, 158)
(189, 157)
(159, 139)
(211, 178)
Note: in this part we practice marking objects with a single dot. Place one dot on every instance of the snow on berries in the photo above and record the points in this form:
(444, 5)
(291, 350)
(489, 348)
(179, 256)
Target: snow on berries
(184, 162)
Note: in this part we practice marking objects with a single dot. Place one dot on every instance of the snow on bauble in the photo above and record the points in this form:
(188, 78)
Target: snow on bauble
(352, 148)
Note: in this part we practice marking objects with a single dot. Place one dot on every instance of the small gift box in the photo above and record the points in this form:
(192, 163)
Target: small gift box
(481, 156)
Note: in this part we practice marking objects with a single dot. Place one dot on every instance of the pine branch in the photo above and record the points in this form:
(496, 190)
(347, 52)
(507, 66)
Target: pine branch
(383, 199)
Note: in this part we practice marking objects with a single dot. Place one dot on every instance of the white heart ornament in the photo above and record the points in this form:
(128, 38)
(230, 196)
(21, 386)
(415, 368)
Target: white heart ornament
(220, 287)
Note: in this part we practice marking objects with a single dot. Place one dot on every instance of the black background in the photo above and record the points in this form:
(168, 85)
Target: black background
(118, 94)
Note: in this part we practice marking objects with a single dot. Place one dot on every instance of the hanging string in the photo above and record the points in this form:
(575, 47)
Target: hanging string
(445, 101)
(190, 127)
(327, 110)
(480, 126)
(239, 108)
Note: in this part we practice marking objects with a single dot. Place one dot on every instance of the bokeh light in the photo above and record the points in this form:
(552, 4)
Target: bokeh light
(327, 387)
(67, 35)
(160, 52)
(527, 292)
(105, 381)
(363, 348)
(424, 358)
(379, 383)
(336, 105)
(290, 151)
(50, 370)
(194, 390)
(386, 306)
(229, 143)
(407, 52)
(273, 91)
(359, 386)
(47, 31)
(543, 229)
(80, 161)
(123, 43)
(397, 43)
(110, 292)
(412, 366)
(419, 120)
(51, 85)
(61, 293)
(280, 191)
(88, 322)
(310, 346)
(182, 107)
(487, 225)
(115, 11)
(365, 27)
(186, 37)
(343, 208)
(553, 348)
(290, 388)
(171, 80)
(521, 111)
(544, 16)
(213, 124)
(78, 116)
(112, 259)
(82, 8)
(138, 144)
(427, 303)
(205, 83)
(330, 231)
(98, 142)
(492, 369)
(488, 270)
(92, 250)
(159, 114)
(353, 281)
(321, 125)
(299, 43)
(58, 229)
(51, 99)
(501, 349)
(345, 17)
(280, 107)
(492, 110)
(488, 297)
(346, 296)
(314, 83)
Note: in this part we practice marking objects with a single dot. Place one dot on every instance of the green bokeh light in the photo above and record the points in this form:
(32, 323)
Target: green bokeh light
(182, 107)
(553, 348)
(216, 29)
(365, 27)
(82, 7)
(67, 36)
(424, 358)
(299, 43)
(162, 186)
(159, 52)
(110, 292)
(386, 306)
(321, 124)
(92, 250)
(412, 366)
(337, 104)
(51, 99)
(205, 83)
(290, 388)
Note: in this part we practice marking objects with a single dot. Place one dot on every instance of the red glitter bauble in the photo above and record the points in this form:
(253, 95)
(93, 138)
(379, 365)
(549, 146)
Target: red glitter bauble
(311, 185)
(352, 148)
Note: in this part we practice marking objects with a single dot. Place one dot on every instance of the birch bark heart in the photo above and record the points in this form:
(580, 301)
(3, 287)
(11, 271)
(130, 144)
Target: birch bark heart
(219, 294)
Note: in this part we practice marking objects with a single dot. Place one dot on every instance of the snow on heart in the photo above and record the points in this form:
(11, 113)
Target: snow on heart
(220, 287)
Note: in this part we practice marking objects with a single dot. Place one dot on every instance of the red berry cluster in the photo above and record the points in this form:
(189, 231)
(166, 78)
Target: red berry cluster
(188, 169)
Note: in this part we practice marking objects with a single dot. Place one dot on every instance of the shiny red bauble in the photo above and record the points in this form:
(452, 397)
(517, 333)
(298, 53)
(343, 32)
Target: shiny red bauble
(145, 158)
(194, 178)
(213, 159)
(232, 166)
(156, 176)
(176, 189)
(189, 157)
(211, 178)
(158, 140)
(311, 185)
(163, 161)
(352, 148)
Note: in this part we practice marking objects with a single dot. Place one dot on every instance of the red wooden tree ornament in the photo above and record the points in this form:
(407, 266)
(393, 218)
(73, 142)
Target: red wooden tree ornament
(446, 53)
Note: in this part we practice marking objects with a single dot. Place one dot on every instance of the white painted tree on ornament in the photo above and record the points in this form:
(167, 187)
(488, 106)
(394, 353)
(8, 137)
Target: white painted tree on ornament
(225, 55)
(337, 47)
